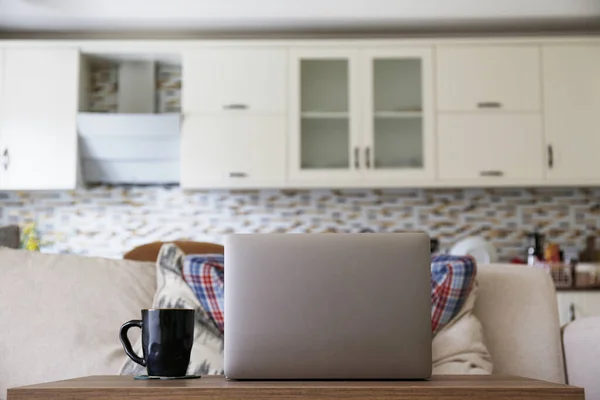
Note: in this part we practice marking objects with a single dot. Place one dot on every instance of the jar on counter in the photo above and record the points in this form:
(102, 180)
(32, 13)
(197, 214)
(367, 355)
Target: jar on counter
(587, 275)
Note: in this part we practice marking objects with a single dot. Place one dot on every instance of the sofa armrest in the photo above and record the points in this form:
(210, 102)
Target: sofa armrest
(581, 343)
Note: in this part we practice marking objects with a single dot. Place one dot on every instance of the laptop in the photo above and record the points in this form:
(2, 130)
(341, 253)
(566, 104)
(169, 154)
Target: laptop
(328, 306)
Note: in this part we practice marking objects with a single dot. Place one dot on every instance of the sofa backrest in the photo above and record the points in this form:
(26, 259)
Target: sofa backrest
(60, 314)
(517, 308)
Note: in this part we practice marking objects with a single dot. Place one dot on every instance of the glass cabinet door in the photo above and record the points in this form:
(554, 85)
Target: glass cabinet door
(399, 113)
(323, 115)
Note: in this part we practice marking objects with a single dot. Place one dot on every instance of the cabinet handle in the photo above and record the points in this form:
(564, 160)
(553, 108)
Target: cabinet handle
(368, 157)
(238, 175)
(571, 312)
(5, 159)
(550, 157)
(356, 158)
(235, 107)
(491, 173)
(489, 104)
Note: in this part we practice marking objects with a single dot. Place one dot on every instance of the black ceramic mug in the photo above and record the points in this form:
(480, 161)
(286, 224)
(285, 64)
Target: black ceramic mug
(167, 339)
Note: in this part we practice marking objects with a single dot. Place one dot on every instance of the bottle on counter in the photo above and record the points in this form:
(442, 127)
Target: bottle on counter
(535, 248)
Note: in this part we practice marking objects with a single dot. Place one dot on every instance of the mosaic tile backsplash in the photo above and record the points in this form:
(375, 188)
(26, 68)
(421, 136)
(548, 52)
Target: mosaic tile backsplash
(108, 221)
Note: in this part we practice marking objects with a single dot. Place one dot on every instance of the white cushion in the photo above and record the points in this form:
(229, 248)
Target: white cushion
(582, 355)
(60, 314)
(459, 348)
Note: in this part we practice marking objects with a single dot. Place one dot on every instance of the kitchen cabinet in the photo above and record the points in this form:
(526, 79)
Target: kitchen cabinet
(398, 115)
(233, 151)
(575, 304)
(234, 118)
(235, 81)
(360, 117)
(572, 112)
(2, 156)
(490, 149)
(38, 134)
(488, 77)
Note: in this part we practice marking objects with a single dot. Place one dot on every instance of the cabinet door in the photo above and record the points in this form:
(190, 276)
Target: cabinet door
(490, 148)
(398, 142)
(3, 159)
(575, 305)
(233, 151)
(38, 125)
(324, 114)
(235, 81)
(488, 77)
(572, 111)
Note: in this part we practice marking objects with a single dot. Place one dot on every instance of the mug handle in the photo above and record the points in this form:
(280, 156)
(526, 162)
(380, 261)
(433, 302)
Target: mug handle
(127, 344)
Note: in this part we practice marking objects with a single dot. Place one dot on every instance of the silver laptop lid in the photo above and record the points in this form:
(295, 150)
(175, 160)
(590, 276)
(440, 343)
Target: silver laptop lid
(327, 306)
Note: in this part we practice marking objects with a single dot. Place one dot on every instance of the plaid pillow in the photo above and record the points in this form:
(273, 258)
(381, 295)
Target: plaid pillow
(452, 278)
(204, 274)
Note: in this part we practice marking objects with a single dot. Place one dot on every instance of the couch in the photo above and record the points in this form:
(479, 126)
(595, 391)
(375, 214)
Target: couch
(60, 315)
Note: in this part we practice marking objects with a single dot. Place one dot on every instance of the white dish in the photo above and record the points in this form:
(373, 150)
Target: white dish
(481, 250)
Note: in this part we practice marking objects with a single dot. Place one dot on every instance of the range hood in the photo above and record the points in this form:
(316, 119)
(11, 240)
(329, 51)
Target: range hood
(129, 148)
(134, 144)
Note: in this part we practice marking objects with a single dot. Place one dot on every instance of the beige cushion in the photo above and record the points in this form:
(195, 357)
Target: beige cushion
(517, 308)
(60, 314)
(582, 355)
(459, 348)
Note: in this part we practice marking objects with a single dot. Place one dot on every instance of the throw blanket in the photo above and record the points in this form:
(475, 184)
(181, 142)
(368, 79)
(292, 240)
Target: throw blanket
(452, 279)
(204, 274)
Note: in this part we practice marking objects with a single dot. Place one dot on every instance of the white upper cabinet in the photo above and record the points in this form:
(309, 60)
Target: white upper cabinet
(361, 117)
(488, 77)
(324, 116)
(38, 133)
(235, 80)
(234, 151)
(398, 120)
(234, 127)
(3, 157)
(490, 149)
(572, 112)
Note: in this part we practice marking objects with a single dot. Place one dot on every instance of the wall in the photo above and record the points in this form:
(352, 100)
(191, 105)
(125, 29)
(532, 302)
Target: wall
(104, 87)
(106, 221)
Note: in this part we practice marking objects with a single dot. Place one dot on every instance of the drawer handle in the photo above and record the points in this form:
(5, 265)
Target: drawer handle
(491, 173)
(238, 175)
(489, 104)
(572, 312)
(235, 107)
(5, 159)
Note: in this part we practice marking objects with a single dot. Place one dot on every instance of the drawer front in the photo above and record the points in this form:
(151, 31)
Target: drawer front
(235, 81)
(490, 148)
(488, 78)
(241, 151)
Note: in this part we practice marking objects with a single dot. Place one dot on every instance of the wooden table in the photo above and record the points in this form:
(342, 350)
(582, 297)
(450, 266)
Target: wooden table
(491, 387)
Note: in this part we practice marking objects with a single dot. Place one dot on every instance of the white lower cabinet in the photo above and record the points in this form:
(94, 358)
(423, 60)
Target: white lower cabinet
(233, 151)
(577, 304)
(490, 149)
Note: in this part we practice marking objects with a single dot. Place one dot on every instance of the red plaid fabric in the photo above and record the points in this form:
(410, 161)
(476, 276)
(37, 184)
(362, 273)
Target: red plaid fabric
(204, 274)
(452, 279)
